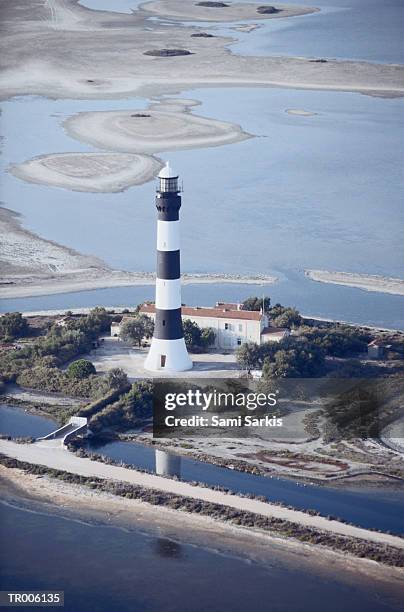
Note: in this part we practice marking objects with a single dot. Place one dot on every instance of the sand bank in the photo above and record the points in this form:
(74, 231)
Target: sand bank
(57, 457)
(72, 500)
(93, 172)
(31, 285)
(300, 112)
(32, 266)
(247, 28)
(367, 282)
(233, 11)
(105, 58)
(23, 252)
(163, 127)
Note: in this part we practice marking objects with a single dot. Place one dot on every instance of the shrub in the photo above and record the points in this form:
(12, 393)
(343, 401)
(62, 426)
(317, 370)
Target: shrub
(13, 325)
(82, 368)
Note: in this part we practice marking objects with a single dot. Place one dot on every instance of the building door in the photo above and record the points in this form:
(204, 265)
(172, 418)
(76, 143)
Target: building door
(163, 361)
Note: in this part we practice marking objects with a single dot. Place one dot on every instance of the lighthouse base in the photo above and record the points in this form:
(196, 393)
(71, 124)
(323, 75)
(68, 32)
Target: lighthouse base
(168, 356)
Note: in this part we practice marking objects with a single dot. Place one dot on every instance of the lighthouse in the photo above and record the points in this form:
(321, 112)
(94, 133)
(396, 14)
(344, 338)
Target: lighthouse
(168, 351)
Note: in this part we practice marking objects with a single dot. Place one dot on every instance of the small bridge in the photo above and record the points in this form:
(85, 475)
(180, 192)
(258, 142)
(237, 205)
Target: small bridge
(74, 426)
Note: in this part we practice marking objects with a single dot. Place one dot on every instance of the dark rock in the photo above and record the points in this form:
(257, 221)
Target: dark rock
(213, 4)
(319, 61)
(167, 52)
(267, 10)
(202, 35)
(140, 115)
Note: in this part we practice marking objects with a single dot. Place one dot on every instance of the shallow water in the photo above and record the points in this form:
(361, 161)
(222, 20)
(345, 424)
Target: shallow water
(344, 29)
(368, 508)
(15, 422)
(307, 192)
(352, 305)
(103, 568)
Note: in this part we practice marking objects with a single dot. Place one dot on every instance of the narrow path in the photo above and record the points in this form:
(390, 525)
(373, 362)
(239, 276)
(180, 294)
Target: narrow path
(53, 455)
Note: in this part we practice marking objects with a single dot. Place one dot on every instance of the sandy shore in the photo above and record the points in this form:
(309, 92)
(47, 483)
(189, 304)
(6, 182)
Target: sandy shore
(50, 454)
(95, 54)
(32, 266)
(75, 500)
(234, 11)
(93, 172)
(163, 127)
(367, 282)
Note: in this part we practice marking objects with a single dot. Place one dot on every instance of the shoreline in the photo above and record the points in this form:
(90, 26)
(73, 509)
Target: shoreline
(34, 266)
(76, 500)
(53, 457)
(107, 172)
(85, 33)
(366, 282)
(178, 10)
(168, 125)
(106, 279)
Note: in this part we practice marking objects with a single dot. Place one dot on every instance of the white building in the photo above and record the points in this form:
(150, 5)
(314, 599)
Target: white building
(232, 325)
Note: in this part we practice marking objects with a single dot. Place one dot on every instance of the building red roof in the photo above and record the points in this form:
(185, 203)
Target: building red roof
(220, 313)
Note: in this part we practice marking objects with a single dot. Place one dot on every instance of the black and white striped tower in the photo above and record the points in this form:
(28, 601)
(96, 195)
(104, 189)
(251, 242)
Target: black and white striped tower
(168, 351)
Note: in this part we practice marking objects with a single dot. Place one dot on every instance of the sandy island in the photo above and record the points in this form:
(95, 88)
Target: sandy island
(31, 266)
(233, 11)
(367, 282)
(167, 125)
(97, 54)
(93, 172)
(163, 127)
(72, 500)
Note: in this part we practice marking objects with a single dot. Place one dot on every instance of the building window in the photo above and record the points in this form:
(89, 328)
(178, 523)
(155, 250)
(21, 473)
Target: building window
(238, 341)
(227, 326)
(164, 322)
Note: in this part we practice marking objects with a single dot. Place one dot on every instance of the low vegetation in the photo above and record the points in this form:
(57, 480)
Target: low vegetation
(80, 369)
(127, 412)
(213, 4)
(167, 52)
(307, 352)
(37, 363)
(386, 554)
(267, 10)
(12, 326)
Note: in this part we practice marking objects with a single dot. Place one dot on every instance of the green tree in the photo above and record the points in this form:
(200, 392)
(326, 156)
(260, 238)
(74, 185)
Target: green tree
(282, 316)
(208, 336)
(255, 303)
(116, 378)
(13, 325)
(82, 368)
(294, 358)
(137, 328)
(248, 356)
(192, 333)
(338, 341)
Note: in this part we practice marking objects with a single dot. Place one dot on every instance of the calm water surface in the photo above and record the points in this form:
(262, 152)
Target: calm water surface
(352, 305)
(313, 192)
(15, 421)
(369, 508)
(106, 568)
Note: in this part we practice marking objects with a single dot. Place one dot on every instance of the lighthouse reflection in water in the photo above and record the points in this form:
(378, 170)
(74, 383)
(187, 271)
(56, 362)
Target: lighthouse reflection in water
(167, 464)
